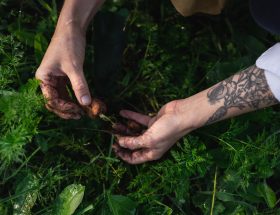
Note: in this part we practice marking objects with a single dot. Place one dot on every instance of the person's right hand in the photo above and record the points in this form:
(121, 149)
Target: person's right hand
(62, 62)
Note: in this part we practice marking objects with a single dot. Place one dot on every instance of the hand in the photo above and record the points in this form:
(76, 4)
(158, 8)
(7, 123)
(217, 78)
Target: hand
(62, 62)
(163, 130)
(245, 91)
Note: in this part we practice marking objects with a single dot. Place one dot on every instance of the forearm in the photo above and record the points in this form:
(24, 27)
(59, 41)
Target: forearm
(77, 13)
(243, 92)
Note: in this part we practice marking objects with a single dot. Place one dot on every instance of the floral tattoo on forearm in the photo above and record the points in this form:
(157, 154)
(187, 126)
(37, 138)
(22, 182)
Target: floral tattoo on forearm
(247, 89)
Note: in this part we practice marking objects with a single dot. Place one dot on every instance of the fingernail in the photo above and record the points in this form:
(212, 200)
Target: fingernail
(85, 100)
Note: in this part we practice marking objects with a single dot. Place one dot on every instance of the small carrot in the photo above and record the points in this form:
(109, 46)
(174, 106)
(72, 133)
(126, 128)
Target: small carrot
(96, 108)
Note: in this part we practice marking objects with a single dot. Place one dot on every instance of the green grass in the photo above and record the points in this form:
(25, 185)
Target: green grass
(231, 167)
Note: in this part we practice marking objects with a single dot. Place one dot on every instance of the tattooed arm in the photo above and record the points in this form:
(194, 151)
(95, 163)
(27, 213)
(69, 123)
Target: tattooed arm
(246, 91)
(243, 92)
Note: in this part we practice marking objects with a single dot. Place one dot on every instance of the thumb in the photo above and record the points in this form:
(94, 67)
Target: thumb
(80, 87)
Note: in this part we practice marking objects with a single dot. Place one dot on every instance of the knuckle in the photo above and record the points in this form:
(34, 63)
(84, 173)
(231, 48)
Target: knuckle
(79, 85)
(147, 139)
(171, 107)
(52, 103)
(153, 156)
(123, 142)
(150, 157)
(136, 143)
(48, 107)
(141, 140)
(77, 66)
(74, 67)
(39, 74)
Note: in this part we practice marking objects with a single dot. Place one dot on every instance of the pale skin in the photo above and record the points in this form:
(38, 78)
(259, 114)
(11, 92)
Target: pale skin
(64, 59)
(244, 92)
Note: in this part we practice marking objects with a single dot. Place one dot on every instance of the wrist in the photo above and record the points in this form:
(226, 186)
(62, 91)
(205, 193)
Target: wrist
(195, 111)
(69, 27)
(71, 32)
(78, 14)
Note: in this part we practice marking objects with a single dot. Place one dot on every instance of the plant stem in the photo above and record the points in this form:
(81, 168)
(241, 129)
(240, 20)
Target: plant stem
(21, 166)
(214, 192)
(109, 155)
(106, 118)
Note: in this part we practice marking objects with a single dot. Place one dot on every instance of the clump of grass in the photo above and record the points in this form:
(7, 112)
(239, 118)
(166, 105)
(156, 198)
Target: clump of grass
(11, 56)
(19, 121)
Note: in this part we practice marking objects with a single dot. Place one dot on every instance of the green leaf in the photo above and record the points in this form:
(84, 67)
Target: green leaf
(3, 209)
(6, 93)
(225, 197)
(85, 210)
(27, 190)
(45, 5)
(120, 205)
(23, 35)
(219, 208)
(69, 200)
(268, 194)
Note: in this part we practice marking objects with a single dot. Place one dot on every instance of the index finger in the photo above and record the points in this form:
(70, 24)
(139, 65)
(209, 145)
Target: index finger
(57, 105)
(137, 117)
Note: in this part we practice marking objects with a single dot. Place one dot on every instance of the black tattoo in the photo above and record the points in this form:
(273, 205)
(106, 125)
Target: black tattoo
(248, 88)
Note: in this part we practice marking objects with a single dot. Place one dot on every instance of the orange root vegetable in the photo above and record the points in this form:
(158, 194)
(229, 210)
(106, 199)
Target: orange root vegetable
(96, 108)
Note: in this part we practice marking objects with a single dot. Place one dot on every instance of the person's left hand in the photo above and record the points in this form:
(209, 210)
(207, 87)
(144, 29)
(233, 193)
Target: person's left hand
(163, 130)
